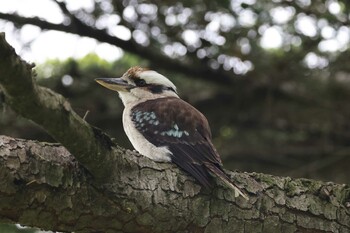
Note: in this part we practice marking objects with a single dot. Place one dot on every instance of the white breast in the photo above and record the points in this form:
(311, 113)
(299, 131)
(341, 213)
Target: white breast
(140, 143)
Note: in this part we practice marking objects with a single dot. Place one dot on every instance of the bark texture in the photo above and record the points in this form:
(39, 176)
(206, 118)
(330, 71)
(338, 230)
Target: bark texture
(43, 185)
(104, 188)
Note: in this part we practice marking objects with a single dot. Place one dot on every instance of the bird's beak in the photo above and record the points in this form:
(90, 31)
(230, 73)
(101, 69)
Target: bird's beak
(115, 84)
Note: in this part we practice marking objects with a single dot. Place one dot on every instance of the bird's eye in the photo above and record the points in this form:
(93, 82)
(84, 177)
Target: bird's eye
(140, 82)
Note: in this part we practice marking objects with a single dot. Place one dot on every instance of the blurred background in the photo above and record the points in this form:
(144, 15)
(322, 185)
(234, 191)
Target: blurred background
(272, 77)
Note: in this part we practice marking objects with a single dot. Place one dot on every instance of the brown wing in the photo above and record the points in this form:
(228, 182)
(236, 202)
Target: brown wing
(183, 129)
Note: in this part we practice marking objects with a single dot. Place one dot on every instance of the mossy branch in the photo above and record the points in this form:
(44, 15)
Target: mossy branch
(52, 112)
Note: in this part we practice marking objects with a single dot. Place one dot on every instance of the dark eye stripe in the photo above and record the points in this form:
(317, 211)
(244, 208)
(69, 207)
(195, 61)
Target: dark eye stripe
(140, 82)
(154, 88)
(171, 89)
(157, 89)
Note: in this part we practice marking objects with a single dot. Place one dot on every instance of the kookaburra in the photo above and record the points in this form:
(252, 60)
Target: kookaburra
(165, 128)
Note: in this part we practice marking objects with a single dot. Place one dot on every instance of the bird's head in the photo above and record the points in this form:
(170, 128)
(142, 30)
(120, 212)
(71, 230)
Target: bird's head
(139, 84)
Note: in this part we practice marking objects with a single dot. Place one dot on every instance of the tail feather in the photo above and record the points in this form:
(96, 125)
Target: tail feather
(217, 171)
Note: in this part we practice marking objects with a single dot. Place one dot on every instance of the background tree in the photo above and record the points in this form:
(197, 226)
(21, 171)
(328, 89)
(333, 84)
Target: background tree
(279, 110)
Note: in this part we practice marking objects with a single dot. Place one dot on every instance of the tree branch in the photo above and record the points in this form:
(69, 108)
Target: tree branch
(51, 111)
(78, 27)
(42, 185)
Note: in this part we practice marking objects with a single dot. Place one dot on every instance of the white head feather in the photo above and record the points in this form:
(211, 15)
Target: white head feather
(141, 94)
(153, 77)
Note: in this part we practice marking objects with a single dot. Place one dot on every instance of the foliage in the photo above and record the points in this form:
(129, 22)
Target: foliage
(9, 228)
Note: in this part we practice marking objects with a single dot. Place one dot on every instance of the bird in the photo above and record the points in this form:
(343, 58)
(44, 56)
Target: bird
(165, 128)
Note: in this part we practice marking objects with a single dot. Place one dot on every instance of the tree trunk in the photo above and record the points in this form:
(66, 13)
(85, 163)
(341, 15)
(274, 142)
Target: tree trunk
(105, 188)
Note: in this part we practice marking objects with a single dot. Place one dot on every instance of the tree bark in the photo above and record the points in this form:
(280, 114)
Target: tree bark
(104, 188)
(43, 185)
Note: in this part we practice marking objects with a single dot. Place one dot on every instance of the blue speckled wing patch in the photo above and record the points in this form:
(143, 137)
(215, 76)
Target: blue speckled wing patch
(143, 118)
(148, 122)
